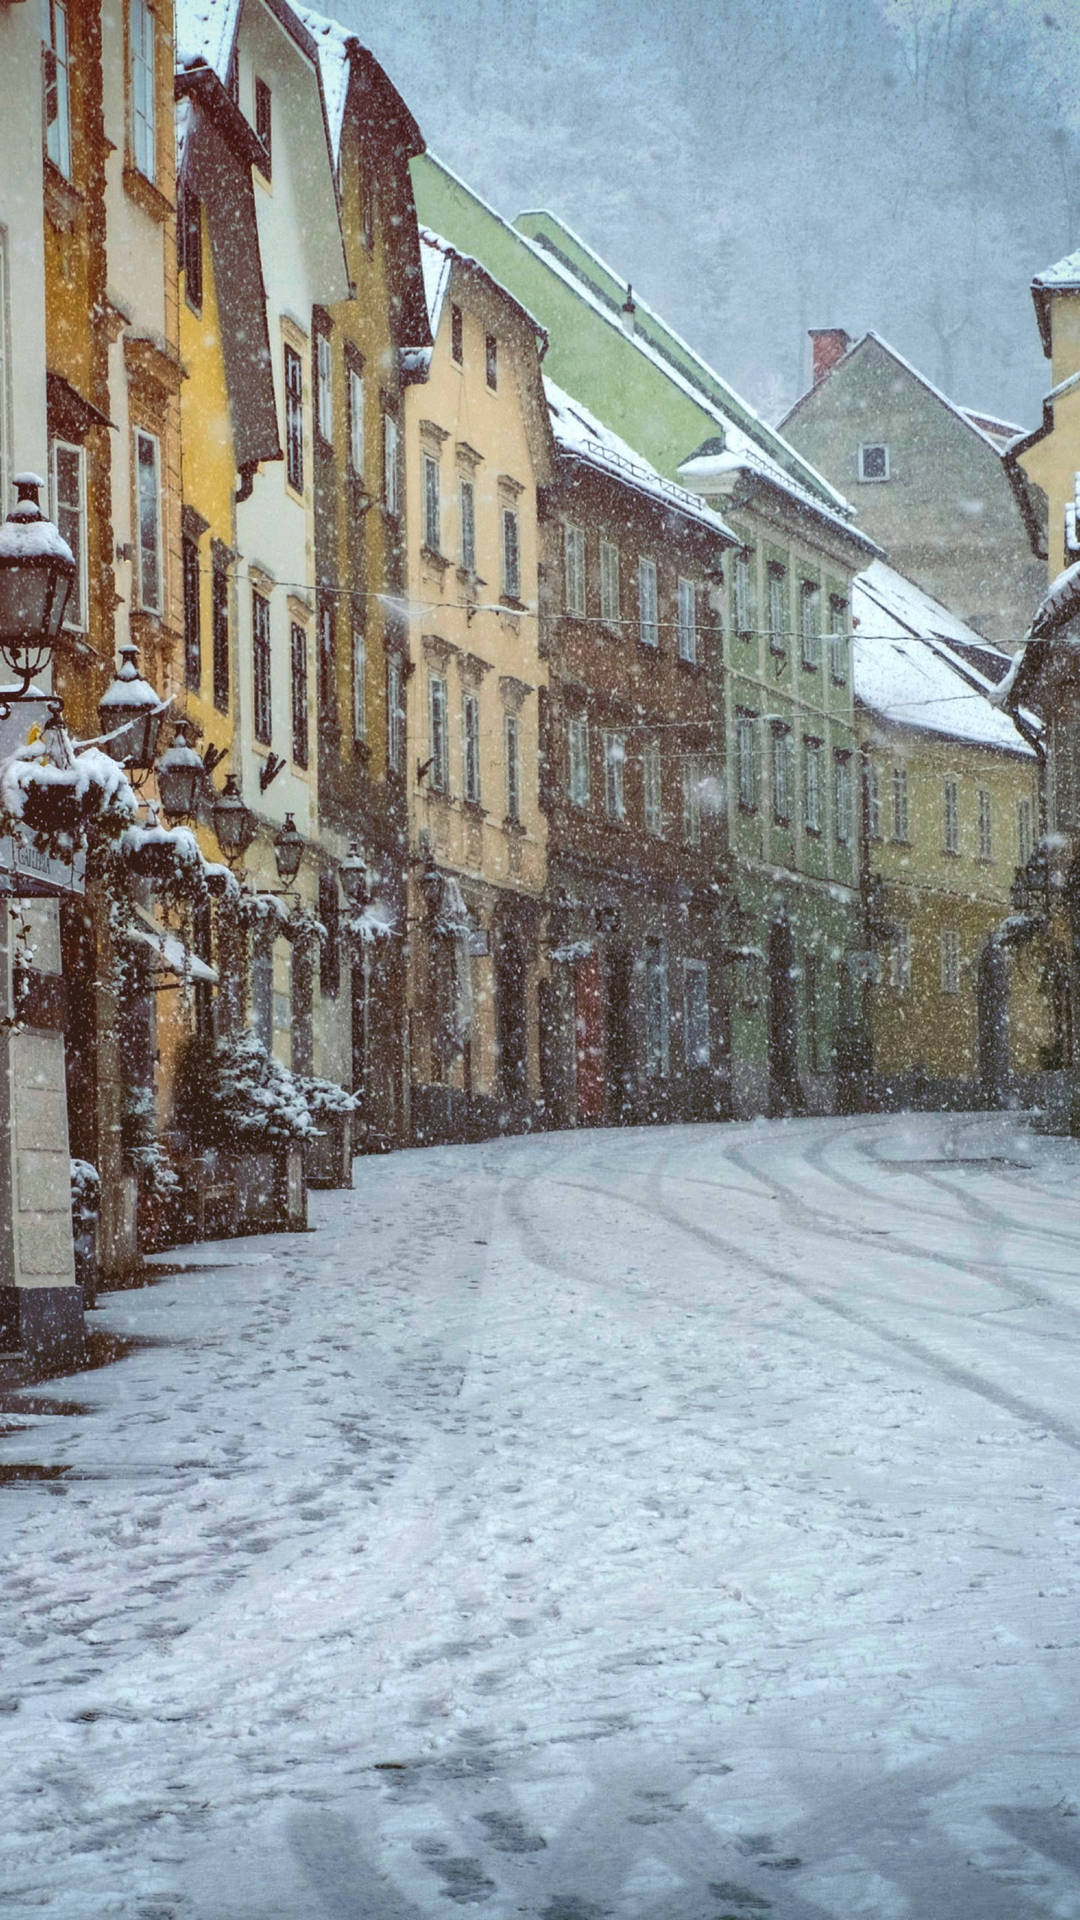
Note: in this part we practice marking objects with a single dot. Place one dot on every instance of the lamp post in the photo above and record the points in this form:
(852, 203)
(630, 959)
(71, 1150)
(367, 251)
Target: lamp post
(37, 572)
(131, 716)
(181, 776)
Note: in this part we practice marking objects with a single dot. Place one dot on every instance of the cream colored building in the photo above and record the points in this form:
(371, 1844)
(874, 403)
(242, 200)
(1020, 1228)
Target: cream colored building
(477, 447)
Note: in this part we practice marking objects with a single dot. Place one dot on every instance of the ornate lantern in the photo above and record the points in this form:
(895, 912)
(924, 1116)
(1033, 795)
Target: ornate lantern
(288, 851)
(234, 823)
(131, 715)
(180, 776)
(353, 875)
(37, 571)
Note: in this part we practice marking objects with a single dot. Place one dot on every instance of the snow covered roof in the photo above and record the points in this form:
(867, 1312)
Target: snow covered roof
(1064, 273)
(205, 31)
(741, 455)
(1001, 432)
(437, 257)
(918, 665)
(333, 42)
(685, 365)
(579, 432)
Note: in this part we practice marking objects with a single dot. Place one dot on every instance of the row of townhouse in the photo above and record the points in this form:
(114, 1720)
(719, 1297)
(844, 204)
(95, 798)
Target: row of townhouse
(474, 585)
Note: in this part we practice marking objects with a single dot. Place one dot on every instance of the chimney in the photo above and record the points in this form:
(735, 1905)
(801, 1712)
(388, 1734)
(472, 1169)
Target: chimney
(627, 311)
(829, 344)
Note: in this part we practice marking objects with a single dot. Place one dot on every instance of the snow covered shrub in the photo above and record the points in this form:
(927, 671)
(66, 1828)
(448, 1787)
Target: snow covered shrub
(238, 1095)
(155, 1169)
(85, 1191)
(325, 1097)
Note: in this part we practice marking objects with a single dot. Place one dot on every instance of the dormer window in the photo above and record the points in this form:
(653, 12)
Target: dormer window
(874, 461)
(264, 125)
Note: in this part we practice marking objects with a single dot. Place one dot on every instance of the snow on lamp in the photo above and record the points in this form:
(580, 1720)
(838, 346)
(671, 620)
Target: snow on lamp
(37, 571)
(180, 776)
(131, 715)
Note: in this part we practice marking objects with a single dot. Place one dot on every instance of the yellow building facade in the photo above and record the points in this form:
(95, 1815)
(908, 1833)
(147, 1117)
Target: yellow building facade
(950, 810)
(477, 447)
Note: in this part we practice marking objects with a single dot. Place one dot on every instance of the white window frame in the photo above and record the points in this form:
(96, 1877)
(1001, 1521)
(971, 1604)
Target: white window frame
(467, 502)
(511, 553)
(747, 772)
(391, 463)
(58, 76)
(838, 639)
(843, 822)
(359, 680)
(512, 758)
(986, 825)
(577, 748)
(143, 105)
(292, 357)
(692, 777)
(76, 618)
(432, 502)
(900, 958)
(873, 801)
(615, 775)
(812, 796)
(648, 603)
(574, 570)
(652, 788)
(1024, 837)
(356, 422)
(901, 807)
(153, 602)
(781, 776)
(395, 714)
(810, 625)
(950, 960)
(697, 1052)
(438, 734)
(687, 621)
(470, 727)
(873, 446)
(951, 822)
(609, 582)
(742, 592)
(777, 583)
(324, 382)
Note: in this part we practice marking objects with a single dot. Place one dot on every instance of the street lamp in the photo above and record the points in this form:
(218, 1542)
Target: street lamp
(131, 715)
(234, 823)
(288, 851)
(353, 875)
(37, 571)
(180, 776)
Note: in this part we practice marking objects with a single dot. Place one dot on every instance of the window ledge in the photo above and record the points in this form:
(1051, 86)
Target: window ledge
(361, 752)
(509, 603)
(514, 827)
(474, 809)
(690, 666)
(434, 558)
(147, 196)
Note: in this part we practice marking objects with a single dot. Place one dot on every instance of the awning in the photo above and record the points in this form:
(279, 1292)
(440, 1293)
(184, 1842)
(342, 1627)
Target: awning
(169, 952)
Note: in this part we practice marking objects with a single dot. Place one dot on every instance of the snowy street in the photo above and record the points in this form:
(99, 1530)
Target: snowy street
(669, 1524)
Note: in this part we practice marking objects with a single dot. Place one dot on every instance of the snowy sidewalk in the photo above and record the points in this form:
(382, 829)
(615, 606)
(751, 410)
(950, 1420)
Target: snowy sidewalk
(669, 1524)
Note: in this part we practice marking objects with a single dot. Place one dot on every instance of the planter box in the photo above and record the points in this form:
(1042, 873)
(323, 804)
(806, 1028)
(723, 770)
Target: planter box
(271, 1189)
(328, 1153)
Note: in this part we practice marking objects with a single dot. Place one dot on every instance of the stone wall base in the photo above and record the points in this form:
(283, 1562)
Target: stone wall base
(45, 1323)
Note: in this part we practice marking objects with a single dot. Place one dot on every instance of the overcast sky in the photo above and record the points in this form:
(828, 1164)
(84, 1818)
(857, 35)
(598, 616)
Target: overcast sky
(757, 167)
